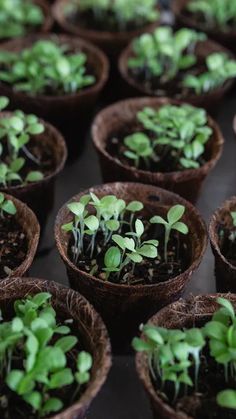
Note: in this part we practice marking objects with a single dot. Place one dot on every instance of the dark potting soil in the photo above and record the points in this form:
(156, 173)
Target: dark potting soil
(149, 271)
(164, 161)
(13, 245)
(227, 243)
(202, 404)
(43, 159)
(87, 20)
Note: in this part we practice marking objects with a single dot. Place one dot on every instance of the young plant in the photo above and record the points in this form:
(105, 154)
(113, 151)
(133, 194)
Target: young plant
(6, 206)
(164, 54)
(34, 356)
(45, 68)
(173, 222)
(129, 250)
(17, 17)
(120, 14)
(174, 134)
(16, 132)
(220, 69)
(216, 13)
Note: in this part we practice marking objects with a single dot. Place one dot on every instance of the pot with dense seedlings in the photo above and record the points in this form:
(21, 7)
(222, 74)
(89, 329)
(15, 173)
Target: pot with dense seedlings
(157, 141)
(186, 358)
(55, 351)
(222, 232)
(130, 249)
(19, 236)
(32, 154)
(21, 17)
(108, 24)
(65, 78)
(182, 64)
(215, 17)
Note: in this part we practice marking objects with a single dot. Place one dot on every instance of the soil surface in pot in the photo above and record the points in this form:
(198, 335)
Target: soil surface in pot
(13, 245)
(149, 271)
(227, 243)
(165, 163)
(202, 404)
(87, 20)
(38, 158)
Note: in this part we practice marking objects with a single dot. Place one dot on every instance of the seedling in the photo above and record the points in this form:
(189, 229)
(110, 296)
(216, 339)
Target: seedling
(164, 53)
(120, 14)
(33, 356)
(19, 16)
(45, 68)
(173, 353)
(176, 134)
(173, 222)
(6, 206)
(220, 69)
(215, 12)
(15, 133)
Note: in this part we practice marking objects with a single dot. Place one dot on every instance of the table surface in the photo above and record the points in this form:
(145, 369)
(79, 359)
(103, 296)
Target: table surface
(122, 397)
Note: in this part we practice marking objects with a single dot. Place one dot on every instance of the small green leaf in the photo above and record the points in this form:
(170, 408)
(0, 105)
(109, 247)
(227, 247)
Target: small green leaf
(66, 343)
(227, 399)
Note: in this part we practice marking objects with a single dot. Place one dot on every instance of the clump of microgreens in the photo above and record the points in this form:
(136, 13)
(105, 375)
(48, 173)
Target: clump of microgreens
(34, 356)
(220, 68)
(18, 16)
(176, 134)
(164, 53)
(119, 14)
(215, 12)
(173, 355)
(16, 130)
(6, 206)
(121, 234)
(45, 68)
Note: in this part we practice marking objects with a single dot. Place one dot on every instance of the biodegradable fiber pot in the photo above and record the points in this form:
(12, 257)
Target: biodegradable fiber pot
(179, 315)
(225, 271)
(89, 329)
(113, 119)
(183, 18)
(39, 196)
(110, 42)
(124, 307)
(30, 226)
(209, 101)
(70, 112)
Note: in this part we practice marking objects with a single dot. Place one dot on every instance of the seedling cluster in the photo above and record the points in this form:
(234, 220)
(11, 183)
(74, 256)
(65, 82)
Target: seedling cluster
(119, 14)
(176, 357)
(18, 16)
(34, 356)
(216, 13)
(174, 138)
(113, 238)
(45, 68)
(168, 56)
(16, 131)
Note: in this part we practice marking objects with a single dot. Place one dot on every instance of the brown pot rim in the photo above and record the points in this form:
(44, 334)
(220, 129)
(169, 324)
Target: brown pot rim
(177, 176)
(213, 234)
(100, 376)
(32, 226)
(124, 72)
(92, 34)
(128, 288)
(191, 308)
(62, 38)
(48, 18)
(60, 142)
(177, 8)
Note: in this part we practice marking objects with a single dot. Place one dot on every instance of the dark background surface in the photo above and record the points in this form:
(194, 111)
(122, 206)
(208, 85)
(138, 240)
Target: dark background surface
(122, 397)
